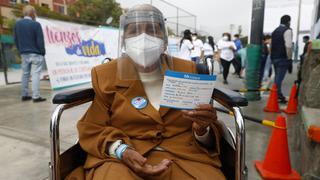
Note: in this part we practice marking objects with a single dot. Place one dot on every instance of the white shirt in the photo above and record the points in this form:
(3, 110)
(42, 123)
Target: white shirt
(152, 83)
(226, 53)
(288, 42)
(185, 49)
(198, 46)
(207, 49)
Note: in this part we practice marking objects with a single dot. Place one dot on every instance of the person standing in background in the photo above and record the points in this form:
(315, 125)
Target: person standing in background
(197, 52)
(226, 49)
(306, 41)
(265, 63)
(186, 45)
(281, 52)
(28, 37)
(242, 53)
(237, 60)
(209, 49)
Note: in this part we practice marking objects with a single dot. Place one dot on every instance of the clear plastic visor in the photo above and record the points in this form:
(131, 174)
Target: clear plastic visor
(152, 29)
(143, 44)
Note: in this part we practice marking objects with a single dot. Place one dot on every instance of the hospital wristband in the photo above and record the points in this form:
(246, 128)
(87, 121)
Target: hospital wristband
(114, 146)
(120, 150)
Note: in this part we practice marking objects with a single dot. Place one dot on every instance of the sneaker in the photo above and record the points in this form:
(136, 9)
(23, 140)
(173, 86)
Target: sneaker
(225, 82)
(39, 99)
(26, 98)
(282, 100)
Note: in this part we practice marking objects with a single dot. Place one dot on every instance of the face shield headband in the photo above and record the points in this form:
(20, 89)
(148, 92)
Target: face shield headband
(143, 41)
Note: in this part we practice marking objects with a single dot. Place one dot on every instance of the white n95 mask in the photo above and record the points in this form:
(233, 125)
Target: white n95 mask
(144, 50)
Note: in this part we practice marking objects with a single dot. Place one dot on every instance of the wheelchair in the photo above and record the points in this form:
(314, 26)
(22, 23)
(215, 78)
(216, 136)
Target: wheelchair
(232, 147)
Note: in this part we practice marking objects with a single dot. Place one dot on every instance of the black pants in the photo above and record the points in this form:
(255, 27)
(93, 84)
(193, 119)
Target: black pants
(226, 66)
(236, 62)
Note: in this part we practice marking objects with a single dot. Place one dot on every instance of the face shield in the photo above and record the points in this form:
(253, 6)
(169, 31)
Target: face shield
(143, 43)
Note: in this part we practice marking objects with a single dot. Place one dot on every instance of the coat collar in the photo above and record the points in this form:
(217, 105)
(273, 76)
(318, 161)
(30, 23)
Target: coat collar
(135, 89)
(166, 63)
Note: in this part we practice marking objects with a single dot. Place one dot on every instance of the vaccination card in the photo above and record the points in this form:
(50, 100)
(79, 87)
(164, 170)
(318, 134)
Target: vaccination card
(185, 90)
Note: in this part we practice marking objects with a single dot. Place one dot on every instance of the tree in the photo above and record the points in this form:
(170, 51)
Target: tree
(96, 11)
(43, 12)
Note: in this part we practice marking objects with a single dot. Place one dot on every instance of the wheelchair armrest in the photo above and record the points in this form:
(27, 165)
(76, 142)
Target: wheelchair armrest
(73, 96)
(229, 98)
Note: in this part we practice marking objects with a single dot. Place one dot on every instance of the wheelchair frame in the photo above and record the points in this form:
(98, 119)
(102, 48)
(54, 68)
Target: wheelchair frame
(229, 99)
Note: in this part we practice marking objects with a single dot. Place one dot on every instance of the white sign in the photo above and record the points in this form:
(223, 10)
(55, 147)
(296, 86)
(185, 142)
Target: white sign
(186, 90)
(72, 50)
(174, 46)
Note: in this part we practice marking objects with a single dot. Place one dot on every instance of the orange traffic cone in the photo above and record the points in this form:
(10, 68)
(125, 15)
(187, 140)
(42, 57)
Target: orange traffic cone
(272, 105)
(293, 101)
(276, 165)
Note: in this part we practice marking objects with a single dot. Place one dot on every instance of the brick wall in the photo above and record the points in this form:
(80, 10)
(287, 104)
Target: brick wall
(4, 3)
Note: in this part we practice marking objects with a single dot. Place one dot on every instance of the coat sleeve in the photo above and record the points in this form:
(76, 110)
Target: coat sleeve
(214, 148)
(40, 40)
(15, 36)
(95, 131)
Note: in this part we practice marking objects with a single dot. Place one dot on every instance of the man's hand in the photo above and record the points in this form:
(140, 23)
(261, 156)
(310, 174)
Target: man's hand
(202, 116)
(139, 165)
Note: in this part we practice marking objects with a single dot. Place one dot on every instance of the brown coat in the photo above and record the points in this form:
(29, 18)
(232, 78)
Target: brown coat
(112, 116)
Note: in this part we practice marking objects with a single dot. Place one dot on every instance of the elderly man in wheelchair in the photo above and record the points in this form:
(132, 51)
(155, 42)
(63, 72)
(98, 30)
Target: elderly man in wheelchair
(125, 134)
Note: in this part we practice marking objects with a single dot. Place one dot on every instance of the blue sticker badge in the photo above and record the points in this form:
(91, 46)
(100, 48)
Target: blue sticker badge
(139, 102)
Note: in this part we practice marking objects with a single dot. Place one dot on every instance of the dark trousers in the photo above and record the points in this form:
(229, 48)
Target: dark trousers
(281, 67)
(196, 59)
(226, 66)
(300, 68)
(236, 62)
(262, 66)
(211, 62)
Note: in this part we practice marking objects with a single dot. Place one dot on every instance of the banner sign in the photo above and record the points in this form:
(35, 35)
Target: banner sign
(73, 49)
(174, 46)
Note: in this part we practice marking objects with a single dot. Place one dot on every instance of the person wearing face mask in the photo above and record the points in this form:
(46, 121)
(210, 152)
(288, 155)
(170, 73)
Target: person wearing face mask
(186, 45)
(125, 132)
(197, 51)
(226, 49)
(265, 63)
(28, 37)
(237, 60)
(281, 52)
(209, 49)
